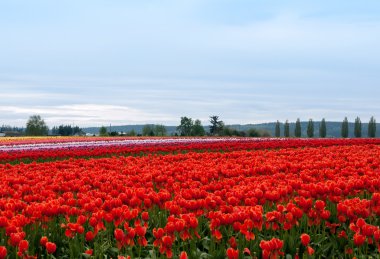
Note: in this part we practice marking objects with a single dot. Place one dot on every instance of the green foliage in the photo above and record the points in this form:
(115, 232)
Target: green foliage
(310, 129)
(372, 128)
(159, 130)
(197, 129)
(231, 132)
(297, 130)
(185, 126)
(4, 128)
(277, 130)
(227, 131)
(344, 130)
(148, 130)
(103, 131)
(322, 129)
(66, 130)
(265, 134)
(253, 133)
(36, 126)
(216, 126)
(286, 129)
(188, 127)
(131, 133)
(358, 128)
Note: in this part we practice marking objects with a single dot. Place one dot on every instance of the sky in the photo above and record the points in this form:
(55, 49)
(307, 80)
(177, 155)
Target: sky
(97, 62)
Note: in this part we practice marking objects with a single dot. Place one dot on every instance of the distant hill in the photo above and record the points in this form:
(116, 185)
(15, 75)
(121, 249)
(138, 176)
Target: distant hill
(333, 128)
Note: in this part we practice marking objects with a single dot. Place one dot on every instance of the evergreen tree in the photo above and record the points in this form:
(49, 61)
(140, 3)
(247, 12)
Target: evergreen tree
(310, 129)
(344, 130)
(297, 130)
(358, 128)
(322, 129)
(372, 128)
(54, 130)
(277, 130)
(286, 129)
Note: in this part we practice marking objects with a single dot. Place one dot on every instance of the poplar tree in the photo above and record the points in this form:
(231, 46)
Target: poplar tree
(297, 130)
(277, 130)
(358, 128)
(372, 128)
(344, 130)
(286, 129)
(322, 129)
(310, 129)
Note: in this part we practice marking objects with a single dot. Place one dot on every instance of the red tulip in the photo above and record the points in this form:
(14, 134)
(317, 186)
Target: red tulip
(43, 240)
(232, 253)
(89, 236)
(119, 234)
(183, 255)
(3, 252)
(310, 250)
(51, 247)
(89, 251)
(23, 246)
(305, 239)
(359, 239)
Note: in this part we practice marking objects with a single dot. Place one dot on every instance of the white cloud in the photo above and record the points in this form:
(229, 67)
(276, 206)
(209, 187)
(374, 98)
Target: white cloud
(154, 62)
(82, 115)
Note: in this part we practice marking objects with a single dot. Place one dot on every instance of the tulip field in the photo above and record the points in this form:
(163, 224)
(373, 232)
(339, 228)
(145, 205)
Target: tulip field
(189, 198)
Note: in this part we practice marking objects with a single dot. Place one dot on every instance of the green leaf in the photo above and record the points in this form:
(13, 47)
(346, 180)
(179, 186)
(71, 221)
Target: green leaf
(204, 256)
(288, 256)
(114, 250)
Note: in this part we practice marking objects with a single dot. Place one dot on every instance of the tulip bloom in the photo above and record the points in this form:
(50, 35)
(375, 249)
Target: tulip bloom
(43, 241)
(305, 239)
(3, 252)
(23, 246)
(183, 255)
(232, 253)
(51, 247)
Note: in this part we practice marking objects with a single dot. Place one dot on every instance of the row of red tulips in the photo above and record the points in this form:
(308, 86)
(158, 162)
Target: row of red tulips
(320, 201)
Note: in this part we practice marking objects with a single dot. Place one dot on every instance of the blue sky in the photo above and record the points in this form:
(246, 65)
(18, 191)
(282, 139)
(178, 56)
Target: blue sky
(95, 62)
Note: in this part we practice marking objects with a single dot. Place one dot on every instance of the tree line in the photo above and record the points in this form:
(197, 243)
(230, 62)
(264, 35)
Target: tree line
(310, 132)
(66, 130)
(189, 127)
(36, 126)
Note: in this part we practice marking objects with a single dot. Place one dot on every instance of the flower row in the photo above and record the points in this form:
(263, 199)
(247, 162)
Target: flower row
(102, 148)
(316, 200)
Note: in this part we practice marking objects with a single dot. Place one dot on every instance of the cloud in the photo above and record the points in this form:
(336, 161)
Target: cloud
(155, 61)
(82, 115)
(127, 100)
